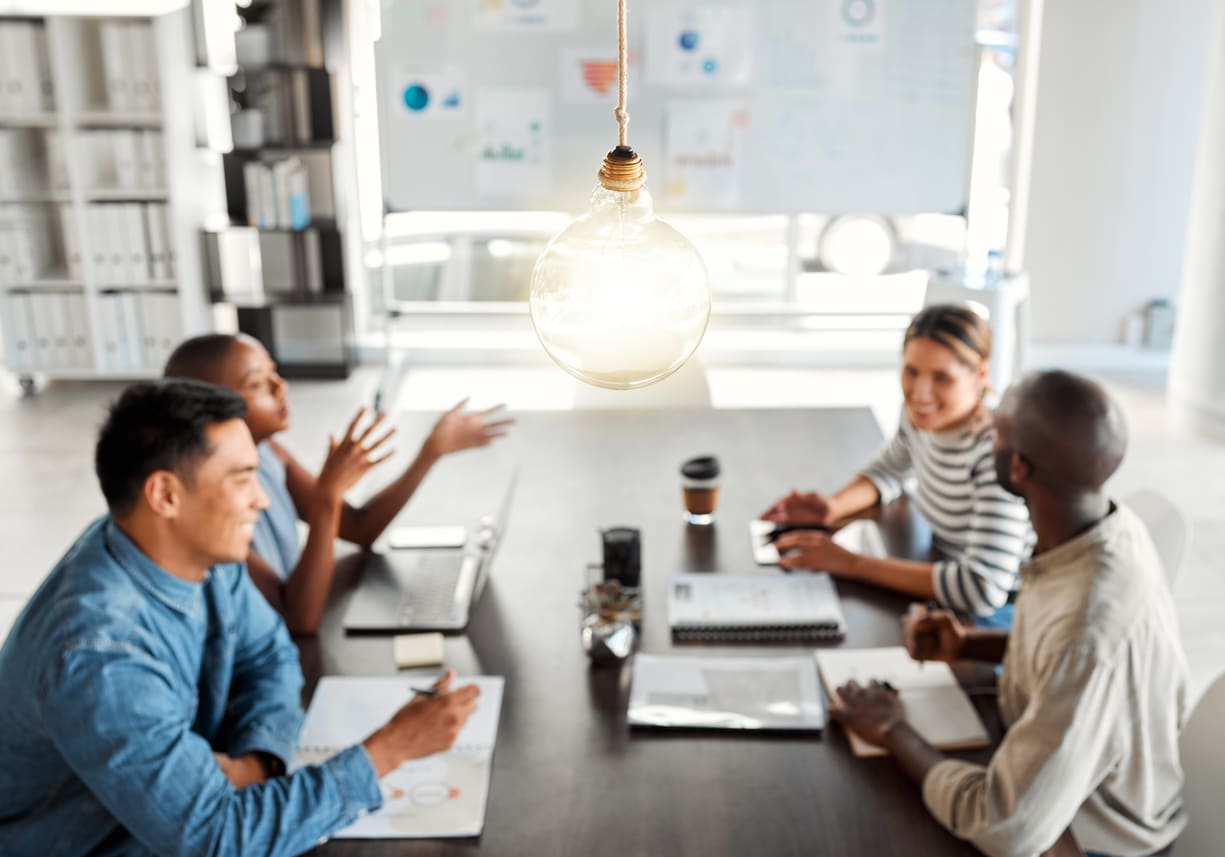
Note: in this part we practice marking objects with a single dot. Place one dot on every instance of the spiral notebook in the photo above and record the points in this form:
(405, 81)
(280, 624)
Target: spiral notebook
(753, 607)
(440, 796)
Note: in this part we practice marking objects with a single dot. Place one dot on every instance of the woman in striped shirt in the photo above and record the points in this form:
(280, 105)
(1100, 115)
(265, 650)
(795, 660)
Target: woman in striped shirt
(944, 442)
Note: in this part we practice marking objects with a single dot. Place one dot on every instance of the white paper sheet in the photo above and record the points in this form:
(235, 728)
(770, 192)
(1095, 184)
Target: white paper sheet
(440, 796)
(410, 538)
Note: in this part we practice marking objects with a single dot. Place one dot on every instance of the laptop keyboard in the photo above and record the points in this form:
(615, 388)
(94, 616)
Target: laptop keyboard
(431, 594)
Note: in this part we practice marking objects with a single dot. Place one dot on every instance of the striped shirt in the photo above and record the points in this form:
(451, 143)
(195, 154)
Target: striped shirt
(982, 529)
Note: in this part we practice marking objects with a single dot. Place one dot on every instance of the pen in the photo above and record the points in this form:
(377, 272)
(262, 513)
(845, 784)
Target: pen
(424, 691)
(789, 528)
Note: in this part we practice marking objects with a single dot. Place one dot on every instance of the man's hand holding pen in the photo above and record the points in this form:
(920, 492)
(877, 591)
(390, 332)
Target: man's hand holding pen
(931, 633)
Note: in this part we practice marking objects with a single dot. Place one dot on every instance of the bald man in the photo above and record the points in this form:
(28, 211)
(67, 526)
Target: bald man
(1094, 684)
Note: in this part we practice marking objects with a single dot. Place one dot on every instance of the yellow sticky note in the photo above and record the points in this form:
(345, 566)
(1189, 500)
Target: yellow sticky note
(417, 650)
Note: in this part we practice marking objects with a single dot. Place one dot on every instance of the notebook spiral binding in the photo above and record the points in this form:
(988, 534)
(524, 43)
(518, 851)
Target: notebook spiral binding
(717, 633)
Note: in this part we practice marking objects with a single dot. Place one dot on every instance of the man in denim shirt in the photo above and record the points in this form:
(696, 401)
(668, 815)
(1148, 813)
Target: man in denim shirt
(150, 697)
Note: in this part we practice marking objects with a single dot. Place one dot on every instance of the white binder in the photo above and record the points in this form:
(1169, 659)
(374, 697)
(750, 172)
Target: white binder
(155, 229)
(97, 237)
(42, 330)
(134, 357)
(19, 345)
(115, 68)
(72, 241)
(46, 90)
(137, 243)
(82, 336)
(61, 330)
(108, 329)
(127, 159)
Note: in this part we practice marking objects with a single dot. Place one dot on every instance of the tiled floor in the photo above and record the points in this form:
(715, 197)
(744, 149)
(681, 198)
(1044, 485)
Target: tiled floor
(46, 448)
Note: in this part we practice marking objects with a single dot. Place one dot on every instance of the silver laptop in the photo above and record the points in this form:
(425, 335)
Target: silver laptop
(430, 589)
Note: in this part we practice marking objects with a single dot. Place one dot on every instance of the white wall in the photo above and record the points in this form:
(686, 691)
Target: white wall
(1121, 87)
(1197, 371)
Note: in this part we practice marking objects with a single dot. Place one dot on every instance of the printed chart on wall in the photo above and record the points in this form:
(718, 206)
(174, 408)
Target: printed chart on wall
(747, 106)
(705, 152)
(707, 46)
(440, 796)
(588, 74)
(429, 93)
(513, 143)
(539, 15)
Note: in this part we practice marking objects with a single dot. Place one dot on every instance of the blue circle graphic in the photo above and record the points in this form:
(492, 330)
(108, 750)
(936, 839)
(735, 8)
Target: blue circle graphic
(688, 40)
(710, 66)
(858, 13)
(416, 97)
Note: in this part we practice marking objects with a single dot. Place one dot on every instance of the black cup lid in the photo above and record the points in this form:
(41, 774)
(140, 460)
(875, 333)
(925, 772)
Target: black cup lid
(703, 467)
(619, 534)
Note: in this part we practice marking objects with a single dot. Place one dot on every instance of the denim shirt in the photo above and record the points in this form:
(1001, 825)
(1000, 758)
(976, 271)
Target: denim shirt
(120, 681)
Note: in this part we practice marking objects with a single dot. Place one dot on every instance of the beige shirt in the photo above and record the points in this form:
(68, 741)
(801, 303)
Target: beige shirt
(1094, 693)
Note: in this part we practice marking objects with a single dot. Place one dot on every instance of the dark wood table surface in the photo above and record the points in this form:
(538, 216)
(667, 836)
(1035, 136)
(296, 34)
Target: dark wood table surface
(569, 776)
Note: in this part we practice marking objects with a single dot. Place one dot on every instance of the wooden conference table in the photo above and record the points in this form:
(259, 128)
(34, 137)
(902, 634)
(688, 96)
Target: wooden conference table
(569, 776)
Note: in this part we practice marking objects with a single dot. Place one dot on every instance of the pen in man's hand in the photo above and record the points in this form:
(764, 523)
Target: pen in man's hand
(424, 691)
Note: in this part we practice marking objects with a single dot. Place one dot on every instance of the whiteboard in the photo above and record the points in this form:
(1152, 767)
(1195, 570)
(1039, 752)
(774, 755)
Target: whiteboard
(770, 106)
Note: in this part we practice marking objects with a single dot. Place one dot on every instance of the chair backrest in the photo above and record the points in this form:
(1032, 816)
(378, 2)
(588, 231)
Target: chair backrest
(1167, 526)
(1203, 765)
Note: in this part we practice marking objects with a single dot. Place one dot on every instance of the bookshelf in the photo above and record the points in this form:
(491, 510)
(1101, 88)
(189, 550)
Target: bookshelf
(100, 197)
(280, 263)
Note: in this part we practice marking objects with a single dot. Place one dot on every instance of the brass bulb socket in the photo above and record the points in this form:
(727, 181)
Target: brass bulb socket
(622, 170)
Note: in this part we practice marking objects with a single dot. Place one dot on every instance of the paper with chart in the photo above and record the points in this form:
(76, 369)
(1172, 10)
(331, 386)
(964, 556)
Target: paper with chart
(513, 142)
(936, 705)
(440, 796)
(540, 16)
(706, 46)
(725, 693)
(705, 151)
(422, 92)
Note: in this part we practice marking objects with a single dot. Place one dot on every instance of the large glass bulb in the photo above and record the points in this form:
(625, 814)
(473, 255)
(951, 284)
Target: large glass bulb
(619, 298)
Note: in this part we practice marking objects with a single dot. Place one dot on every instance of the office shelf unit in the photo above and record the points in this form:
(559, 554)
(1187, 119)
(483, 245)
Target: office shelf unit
(281, 261)
(99, 195)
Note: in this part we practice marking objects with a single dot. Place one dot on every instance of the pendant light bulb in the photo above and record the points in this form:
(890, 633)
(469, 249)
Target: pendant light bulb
(620, 298)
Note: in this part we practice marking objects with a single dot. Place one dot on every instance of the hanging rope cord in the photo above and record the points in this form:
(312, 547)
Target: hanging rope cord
(623, 116)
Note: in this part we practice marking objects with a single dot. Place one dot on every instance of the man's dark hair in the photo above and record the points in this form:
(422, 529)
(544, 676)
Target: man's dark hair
(157, 425)
(199, 357)
(1068, 427)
